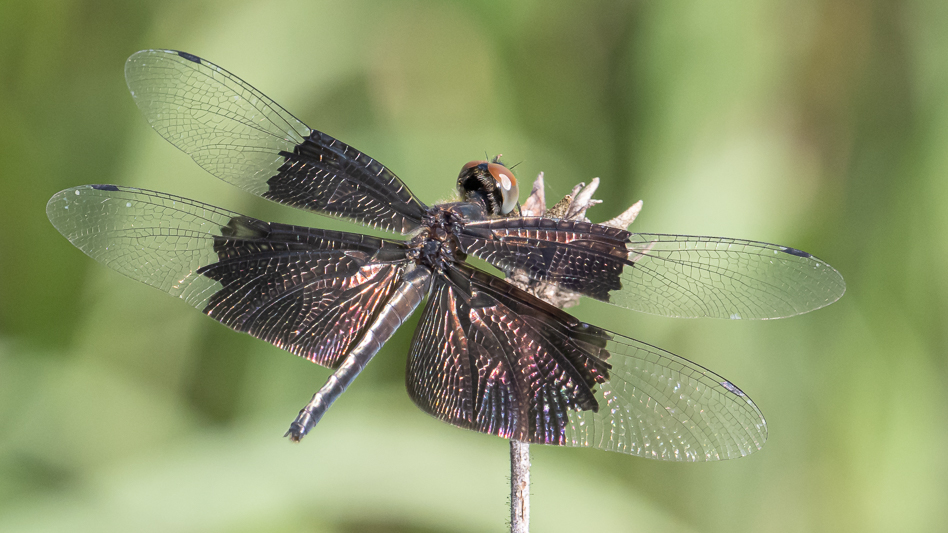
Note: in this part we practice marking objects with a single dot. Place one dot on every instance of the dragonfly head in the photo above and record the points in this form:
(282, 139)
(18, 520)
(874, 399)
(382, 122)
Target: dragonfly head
(490, 183)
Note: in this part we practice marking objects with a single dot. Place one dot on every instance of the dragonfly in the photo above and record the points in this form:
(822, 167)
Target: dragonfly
(486, 355)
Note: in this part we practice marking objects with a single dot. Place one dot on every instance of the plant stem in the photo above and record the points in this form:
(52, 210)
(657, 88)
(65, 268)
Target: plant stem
(571, 207)
(519, 487)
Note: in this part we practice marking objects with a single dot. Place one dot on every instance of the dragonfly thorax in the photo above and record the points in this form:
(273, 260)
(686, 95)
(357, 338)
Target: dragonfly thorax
(437, 243)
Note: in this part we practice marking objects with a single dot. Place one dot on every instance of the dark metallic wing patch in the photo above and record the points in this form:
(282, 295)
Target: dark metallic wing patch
(479, 364)
(670, 275)
(238, 134)
(309, 291)
(489, 357)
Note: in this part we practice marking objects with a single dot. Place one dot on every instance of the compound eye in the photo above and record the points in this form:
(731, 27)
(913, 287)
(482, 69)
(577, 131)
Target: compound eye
(471, 165)
(506, 185)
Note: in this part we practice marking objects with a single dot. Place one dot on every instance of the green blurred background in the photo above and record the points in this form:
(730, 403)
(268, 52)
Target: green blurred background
(815, 124)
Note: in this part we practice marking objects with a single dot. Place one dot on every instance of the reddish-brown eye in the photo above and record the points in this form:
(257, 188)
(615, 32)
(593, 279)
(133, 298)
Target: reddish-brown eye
(472, 164)
(506, 184)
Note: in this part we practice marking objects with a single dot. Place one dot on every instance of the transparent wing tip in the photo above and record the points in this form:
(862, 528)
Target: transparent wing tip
(825, 276)
(57, 208)
(60, 202)
(143, 58)
(159, 52)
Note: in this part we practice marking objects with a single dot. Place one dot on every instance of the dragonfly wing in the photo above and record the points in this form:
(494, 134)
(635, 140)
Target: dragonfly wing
(238, 134)
(309, 291)
(670, 275)
(489, 357)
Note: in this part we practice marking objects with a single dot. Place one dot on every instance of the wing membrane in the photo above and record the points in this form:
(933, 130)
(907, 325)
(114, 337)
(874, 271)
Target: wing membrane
(489, 357)
(306, 290)
(238, 134)
(670, 275)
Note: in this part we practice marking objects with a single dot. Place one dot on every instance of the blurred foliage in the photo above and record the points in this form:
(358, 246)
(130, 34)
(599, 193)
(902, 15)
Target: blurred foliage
(816, 124)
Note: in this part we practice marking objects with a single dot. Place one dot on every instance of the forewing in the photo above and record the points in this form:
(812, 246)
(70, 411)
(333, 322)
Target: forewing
(306, 290)
(490, 357)
(238, 134)
(670, 275)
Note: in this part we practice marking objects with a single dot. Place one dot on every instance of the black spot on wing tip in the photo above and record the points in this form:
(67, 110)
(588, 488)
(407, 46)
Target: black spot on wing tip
(105, 187)
(794, 251)
(190, 57)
